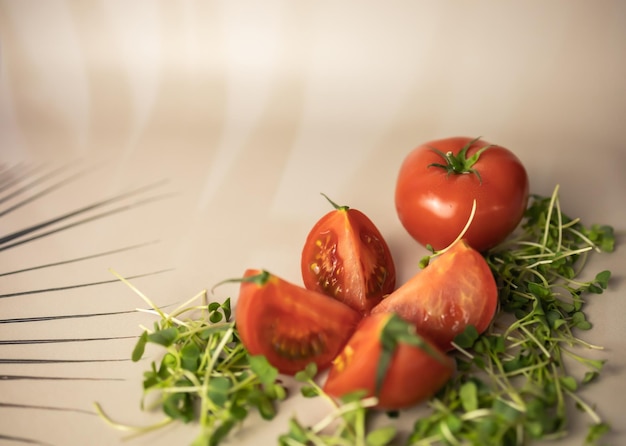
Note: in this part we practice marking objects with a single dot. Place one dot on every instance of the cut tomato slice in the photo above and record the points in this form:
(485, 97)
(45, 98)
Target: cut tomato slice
(346, 257)
(455, 290)
(414, 370)
(290, 325)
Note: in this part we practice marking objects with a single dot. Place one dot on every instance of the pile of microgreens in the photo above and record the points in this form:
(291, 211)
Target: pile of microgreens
(513, 382)
(205, 374)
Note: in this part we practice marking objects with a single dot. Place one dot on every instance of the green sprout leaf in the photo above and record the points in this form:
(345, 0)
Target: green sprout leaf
(205, 373)
(140, 347)
(164, 337)
(513, 383)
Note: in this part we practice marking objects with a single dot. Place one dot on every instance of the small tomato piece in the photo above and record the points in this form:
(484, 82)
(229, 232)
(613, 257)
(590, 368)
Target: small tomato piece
(438, 182)
(346, 257)
(455, 290)
(290, 325)
(413, 372)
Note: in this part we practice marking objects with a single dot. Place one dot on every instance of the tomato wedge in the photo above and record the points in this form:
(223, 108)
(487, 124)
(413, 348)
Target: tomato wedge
(455, 290)
(386, 359)
(290, 325)
(346, 257)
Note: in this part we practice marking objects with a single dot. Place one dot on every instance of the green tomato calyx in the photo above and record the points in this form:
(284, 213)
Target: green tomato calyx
(460, 164)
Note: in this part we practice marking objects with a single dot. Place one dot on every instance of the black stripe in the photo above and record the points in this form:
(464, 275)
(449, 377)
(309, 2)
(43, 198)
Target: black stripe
(23, 440)
(53, 378)
(98, 204)
(62, 340)
(79, 259)
(79, 285)
(33, 406)
(42, 193)
(63, 316)
(57, 361)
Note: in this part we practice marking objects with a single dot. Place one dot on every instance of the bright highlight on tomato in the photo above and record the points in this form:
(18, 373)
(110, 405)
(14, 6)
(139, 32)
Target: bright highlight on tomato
(346, 257)
(386, 359)
(438, 182)
(455, 290)
(290, 325)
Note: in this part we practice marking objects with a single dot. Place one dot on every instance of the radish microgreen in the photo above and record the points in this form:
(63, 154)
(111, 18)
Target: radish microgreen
(345, 425)
(205, 373)
(514, 382)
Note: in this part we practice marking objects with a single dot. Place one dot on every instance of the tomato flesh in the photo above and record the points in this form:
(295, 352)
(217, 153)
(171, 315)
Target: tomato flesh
(413, 374)
(455, 290)
(290, 325)
(434, 205)
(346, 257)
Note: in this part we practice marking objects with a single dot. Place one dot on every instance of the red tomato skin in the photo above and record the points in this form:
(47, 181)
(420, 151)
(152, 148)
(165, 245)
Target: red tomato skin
(346, 257)
(412, 377)
(455, 290)
(434, 206)
(290, 325)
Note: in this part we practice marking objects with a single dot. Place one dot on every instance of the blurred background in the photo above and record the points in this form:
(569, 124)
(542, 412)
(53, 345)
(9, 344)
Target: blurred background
(227, 120)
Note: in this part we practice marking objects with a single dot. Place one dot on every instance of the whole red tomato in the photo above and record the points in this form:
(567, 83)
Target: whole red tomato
(438, 182)
(346, 257)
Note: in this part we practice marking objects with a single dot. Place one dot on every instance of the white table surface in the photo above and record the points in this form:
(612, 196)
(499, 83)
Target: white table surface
(227, 120)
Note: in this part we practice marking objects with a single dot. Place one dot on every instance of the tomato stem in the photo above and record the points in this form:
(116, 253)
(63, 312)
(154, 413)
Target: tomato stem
(335, 205)
(460, 164)
(259, 279)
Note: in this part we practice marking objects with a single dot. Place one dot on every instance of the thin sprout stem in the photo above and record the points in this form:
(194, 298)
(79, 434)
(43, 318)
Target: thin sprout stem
(148, 311)
(540, 262)
(546, 231)
(342, 410)
(127, 427)
(185, 306)
(291, 442)
(535, 340)
(538, 275)
(530, 368)
(136, 290)
(462, 233)
(182, 389)
(225, 340)
(448, 435)
(586, 407)
(555, 258)
(426, 441)
(571, 223)
(205, 401)
(462, 350)
(523, 242)
(559, 217)
(585, 239)
(559, 389)
(531, 256)
(476, 414)
(581, 359)
(249, 380)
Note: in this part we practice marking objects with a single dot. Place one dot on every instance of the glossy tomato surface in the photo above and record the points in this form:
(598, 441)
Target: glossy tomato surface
(455, 290)
(345, 256)
(290, 325)
(434, 204)
(414, 374)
